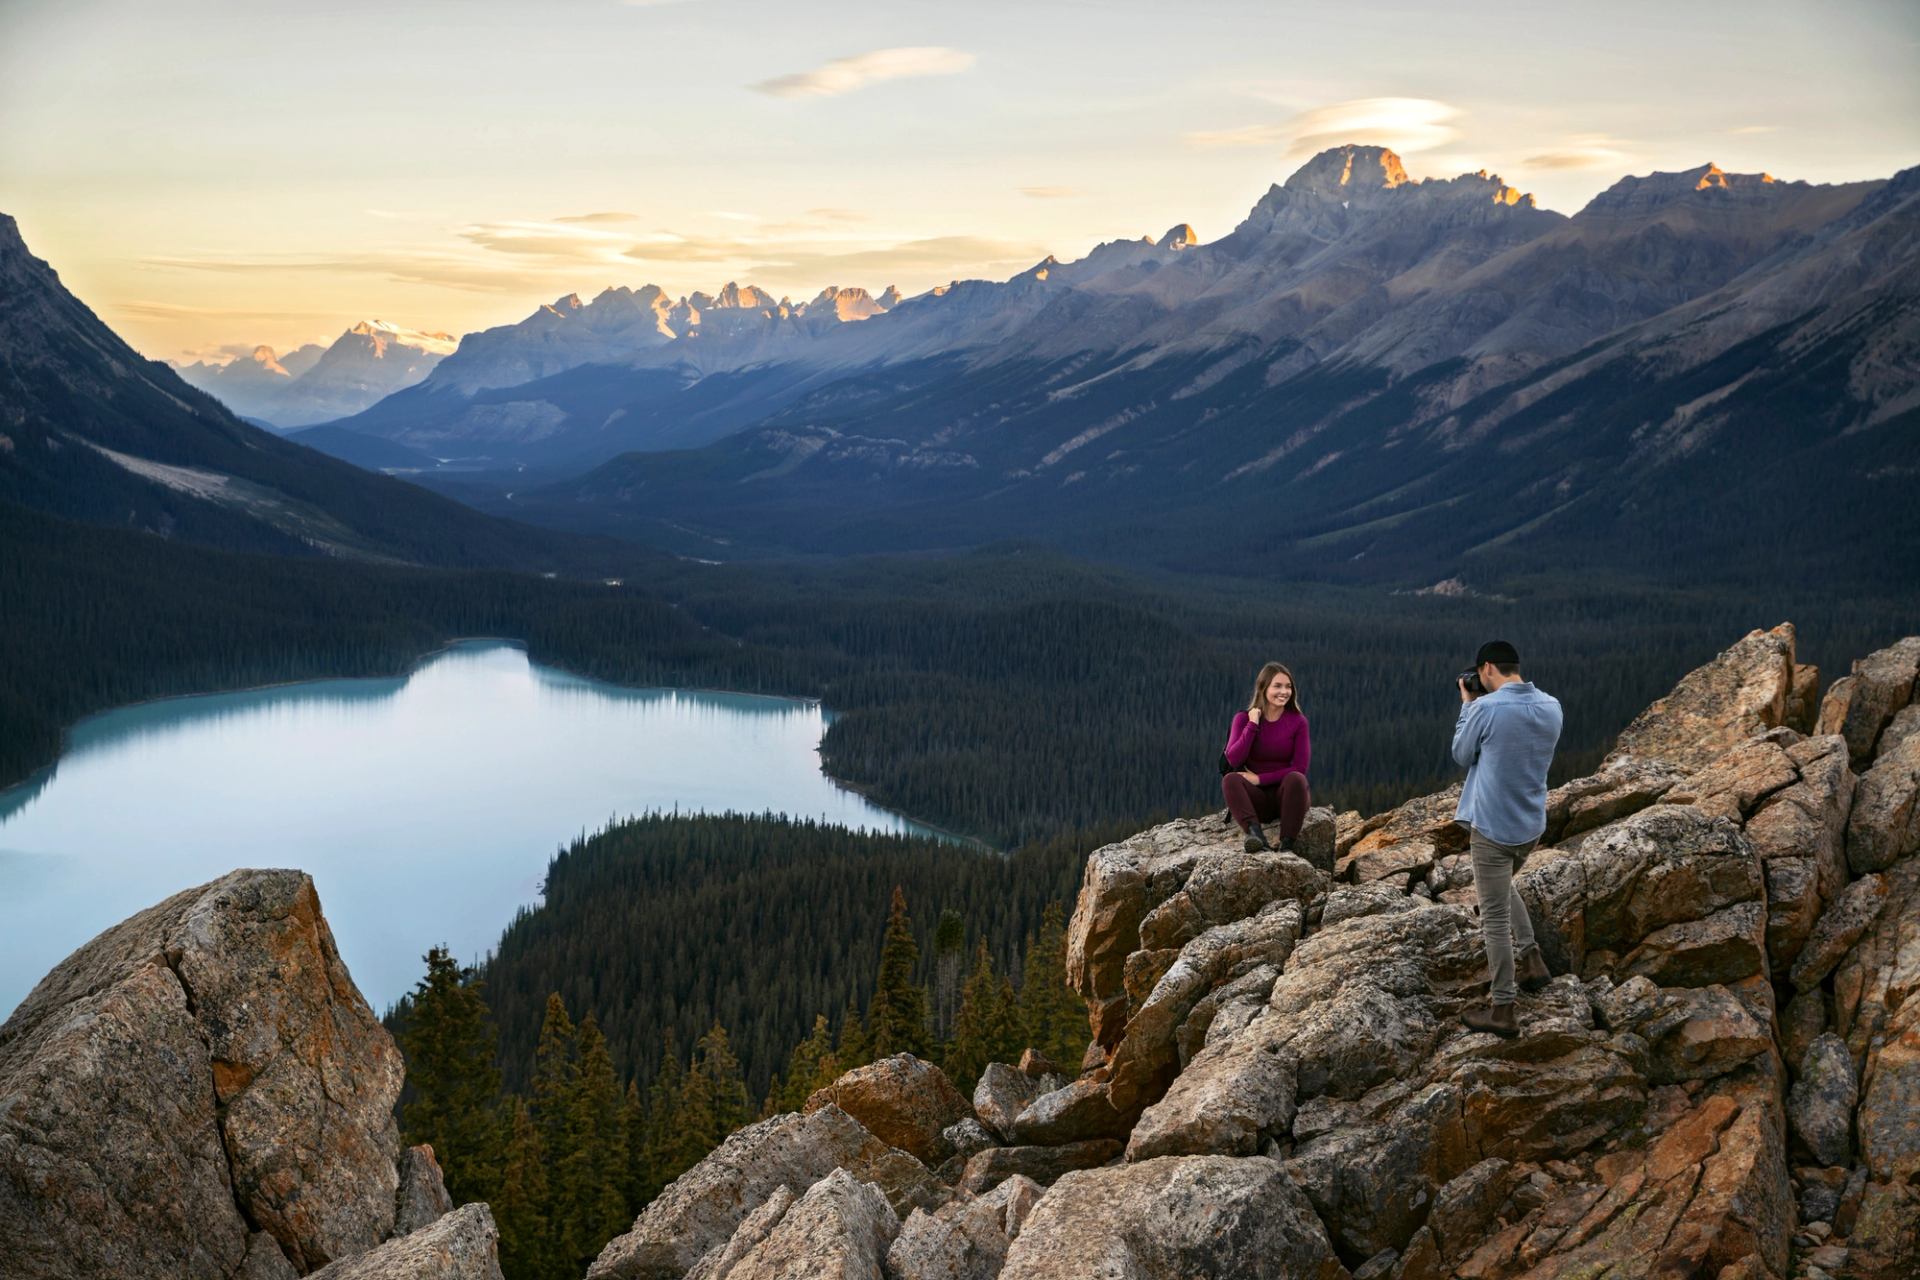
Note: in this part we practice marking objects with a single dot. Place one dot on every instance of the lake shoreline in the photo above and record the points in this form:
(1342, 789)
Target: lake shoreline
(40, 776)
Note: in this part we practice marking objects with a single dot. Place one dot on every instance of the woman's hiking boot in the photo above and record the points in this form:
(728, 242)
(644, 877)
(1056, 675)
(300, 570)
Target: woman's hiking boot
(1287, 845)
(1497, 1018)
(1531, 971)
(1256, 838)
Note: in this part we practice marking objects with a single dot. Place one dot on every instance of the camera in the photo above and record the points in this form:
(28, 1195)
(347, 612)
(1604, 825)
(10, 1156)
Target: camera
(1471, 678)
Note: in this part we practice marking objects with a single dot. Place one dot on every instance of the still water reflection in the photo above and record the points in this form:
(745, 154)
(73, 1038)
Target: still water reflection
(425, 808)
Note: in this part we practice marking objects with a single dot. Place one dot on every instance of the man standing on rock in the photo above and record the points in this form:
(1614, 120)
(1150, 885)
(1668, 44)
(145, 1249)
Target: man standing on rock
(1505, 738)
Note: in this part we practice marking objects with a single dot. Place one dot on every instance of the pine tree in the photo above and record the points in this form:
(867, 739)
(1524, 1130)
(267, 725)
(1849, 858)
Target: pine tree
(985, 1029)
(660, 1154)
(1052, 1017)
(727, 1084)
(600, 1121)
(850, 1046)
(634, 1113)
(949, 970)
(897, 1018)
(811, 1066)
(520, 1208)
(556, 1086)
(449, 1045)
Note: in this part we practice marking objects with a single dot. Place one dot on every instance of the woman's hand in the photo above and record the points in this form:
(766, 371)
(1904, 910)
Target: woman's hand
(1250, 776)
(1253, 716)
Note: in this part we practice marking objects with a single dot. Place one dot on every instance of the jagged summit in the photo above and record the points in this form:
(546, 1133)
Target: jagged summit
(1707, 182)
(1341, 172)
(1178, 237)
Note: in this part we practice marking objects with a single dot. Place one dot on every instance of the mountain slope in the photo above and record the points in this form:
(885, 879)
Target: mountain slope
(91, 431)
(1629, 383)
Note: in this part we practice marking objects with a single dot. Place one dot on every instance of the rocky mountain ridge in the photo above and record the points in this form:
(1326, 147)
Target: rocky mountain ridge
(1720, 1080)
(365, 364)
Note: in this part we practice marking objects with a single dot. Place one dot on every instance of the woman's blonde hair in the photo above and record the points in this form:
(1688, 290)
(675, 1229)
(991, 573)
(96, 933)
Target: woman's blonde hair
(1267, 673)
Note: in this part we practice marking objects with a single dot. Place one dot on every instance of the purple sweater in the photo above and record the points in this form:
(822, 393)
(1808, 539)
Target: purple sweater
(1272, 749)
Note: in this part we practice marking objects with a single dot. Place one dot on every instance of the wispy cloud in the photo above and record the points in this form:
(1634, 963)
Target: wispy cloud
(561, 238)
(1049, 193)
(1407, 125)
(845, 75)
(610, 216)
(829, 213)
(1756, 128)
(1584, 151)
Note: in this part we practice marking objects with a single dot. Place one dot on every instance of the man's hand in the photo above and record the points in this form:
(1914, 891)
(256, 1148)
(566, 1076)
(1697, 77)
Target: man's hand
(1465, 697)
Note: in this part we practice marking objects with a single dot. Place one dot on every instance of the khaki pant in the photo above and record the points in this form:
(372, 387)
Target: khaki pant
(1505, 927)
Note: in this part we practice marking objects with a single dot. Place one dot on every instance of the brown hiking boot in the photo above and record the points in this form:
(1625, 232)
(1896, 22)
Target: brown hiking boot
(1497, 1018)
(1531, 970)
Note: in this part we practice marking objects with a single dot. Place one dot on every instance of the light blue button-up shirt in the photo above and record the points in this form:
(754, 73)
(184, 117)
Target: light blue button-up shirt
(1505, 739)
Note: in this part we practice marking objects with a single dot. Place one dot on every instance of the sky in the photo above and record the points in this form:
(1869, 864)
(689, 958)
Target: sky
(209, 175)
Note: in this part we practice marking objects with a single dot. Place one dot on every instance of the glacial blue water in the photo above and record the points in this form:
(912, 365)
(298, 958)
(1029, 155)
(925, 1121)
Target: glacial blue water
(424, 807)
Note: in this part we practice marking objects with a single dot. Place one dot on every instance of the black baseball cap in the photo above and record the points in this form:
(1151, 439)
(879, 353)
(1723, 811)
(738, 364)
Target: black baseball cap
(1499, 653)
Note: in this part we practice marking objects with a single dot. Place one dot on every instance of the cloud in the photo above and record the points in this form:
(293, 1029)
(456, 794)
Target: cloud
(1756, 128)
(612, 216)
(830, 214)
(570, 241)
(844, 75)
(1585, 151)
(440, 268)
(1406, 125)
(1049, 193)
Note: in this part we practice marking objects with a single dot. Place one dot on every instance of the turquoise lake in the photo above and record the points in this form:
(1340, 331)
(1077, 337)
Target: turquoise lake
(425, 807)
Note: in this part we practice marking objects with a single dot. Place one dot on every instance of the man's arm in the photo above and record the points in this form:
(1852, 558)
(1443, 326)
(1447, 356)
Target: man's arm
(1469, 732)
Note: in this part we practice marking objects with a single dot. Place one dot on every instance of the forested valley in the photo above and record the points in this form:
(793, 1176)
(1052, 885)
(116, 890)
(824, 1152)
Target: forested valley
(687, 975)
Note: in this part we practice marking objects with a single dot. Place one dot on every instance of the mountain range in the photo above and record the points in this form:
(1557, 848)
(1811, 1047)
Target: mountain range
(1368, 374)
(363, 366)
(91, 431)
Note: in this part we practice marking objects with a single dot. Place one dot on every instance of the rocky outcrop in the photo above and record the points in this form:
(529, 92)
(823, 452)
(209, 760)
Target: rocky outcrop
(701, 1209)
(1720, 1078)
(423, 1197)
(197, 1083)
(462, 1245)
(1193, 1216)
(902, 1101)
(1859, 706)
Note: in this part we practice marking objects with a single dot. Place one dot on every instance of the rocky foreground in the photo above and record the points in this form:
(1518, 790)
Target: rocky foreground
(202, 1092)
(1722, 1079)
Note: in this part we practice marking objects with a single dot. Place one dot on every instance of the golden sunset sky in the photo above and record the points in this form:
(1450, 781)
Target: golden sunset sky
(214, 175)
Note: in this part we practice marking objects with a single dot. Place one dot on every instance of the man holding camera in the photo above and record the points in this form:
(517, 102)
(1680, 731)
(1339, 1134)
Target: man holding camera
(1505, 738)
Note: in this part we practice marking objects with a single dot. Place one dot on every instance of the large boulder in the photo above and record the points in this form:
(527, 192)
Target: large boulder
(902, 1100)
(839, 1230)
(1147, 1057)
(1876, 998)
(1708, 1196)
(964, 1239)
(423, 1198)
(1859, 706)
(1670, 891)
(201, 1070)
(1884, 825)
(1177, 1216)
(1820, 1106)
(1740, 693)
(1158, 890)
(1834, 934)
(461, 1245)
(701, 1209)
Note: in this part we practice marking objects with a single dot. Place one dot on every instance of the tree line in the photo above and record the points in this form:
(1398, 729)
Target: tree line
(568, 1159)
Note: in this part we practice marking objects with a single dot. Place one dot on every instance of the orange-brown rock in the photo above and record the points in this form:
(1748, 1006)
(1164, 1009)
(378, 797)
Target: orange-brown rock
(903, 1101)
(204, 1065)
(1860, 704)
(1740, 693)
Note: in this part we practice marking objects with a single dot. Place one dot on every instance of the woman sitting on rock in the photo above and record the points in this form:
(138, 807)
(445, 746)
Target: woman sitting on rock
(1268, 751)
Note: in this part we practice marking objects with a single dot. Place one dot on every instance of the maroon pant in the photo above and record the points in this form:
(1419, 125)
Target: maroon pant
(1251, 802)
